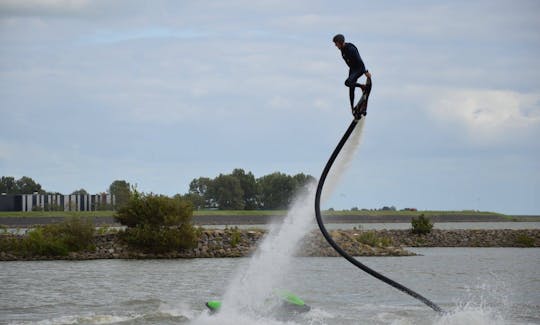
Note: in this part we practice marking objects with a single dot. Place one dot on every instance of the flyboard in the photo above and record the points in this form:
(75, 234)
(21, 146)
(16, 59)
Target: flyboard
(361, 108)
(358, 111)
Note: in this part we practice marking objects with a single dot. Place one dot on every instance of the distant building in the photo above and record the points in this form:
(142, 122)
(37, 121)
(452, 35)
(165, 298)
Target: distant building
(410, 209)
(56, 202)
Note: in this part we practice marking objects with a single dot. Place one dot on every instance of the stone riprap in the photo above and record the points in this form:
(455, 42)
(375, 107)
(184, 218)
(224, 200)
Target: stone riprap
(240, 243)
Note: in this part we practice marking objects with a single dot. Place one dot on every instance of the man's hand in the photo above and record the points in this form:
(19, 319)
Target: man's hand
(368, 74)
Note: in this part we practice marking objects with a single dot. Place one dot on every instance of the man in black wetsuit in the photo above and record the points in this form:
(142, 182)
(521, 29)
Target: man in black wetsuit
(354, 61)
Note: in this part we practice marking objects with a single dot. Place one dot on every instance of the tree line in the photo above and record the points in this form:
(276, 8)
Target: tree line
(239, 190)
(242, 191)
(23, 185)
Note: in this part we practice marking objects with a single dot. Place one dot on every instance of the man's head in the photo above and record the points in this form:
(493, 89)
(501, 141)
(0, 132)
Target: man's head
(339, 40)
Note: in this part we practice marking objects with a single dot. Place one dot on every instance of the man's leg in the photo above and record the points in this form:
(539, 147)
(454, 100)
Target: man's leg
(351, 96)
(351, 83)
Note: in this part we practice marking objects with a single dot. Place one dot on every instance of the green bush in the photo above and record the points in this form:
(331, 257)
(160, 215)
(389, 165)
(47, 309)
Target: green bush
(157, 223)
(154, 210)
(59, 239)
(151, 239)
(235, 235)
(524, 240)
(421, 225)
(8, 243)
(75, 233)
(372, 239)
(40, 243)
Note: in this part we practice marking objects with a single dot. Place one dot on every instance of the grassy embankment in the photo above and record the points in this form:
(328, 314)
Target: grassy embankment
(377, 213)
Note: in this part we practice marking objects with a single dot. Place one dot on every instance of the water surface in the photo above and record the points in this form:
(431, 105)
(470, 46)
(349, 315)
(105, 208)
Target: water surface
(477, 286)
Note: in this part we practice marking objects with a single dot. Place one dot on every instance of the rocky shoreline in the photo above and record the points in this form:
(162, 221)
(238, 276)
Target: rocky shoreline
(240, 243)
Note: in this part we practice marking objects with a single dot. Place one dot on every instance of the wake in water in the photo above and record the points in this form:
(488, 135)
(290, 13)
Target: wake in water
(471, 315)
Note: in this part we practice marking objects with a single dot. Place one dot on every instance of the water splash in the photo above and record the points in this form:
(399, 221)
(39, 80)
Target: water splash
(484, 303)
(248, 297)
(343, 161)
(471, 315)
(251, 290)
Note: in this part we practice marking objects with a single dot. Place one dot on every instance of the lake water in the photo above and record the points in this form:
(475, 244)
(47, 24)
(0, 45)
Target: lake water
(399, 225)
(475, 285)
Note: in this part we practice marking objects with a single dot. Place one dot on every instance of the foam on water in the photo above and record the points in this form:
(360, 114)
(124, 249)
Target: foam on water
(82, 319)
(483, 304)
(471, 315)
(177, 310)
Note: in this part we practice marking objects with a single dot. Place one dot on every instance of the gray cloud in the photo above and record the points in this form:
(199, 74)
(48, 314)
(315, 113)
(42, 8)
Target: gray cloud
(165, 92)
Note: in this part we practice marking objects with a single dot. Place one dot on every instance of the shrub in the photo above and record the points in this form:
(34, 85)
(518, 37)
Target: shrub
(51, 240)
(524, 240)
(151, 239)
(40, 243)
(372, 239)
(157, 223)
(235, 235)
(8, 243)
(76, 234)
(154, 210)
(421, 225)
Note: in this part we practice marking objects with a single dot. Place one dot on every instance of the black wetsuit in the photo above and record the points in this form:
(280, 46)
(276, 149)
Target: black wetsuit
(350, 54)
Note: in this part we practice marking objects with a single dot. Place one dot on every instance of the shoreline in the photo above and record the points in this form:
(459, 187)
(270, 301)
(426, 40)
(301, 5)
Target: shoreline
(242, 243)
(231, 220)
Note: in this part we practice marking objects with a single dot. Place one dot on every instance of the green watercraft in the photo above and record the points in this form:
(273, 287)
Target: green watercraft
(290, 303)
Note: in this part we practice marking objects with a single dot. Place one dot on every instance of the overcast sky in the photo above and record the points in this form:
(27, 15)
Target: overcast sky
(158, 93)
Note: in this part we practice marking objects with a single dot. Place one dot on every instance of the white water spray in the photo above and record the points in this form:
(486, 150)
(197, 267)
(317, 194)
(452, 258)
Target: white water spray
(343, 161)
(250, 291)
(252, 287)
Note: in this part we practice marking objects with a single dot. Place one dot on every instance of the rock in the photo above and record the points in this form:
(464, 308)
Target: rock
(218, 243)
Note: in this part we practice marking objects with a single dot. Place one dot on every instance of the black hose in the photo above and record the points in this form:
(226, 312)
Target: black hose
(336, 246)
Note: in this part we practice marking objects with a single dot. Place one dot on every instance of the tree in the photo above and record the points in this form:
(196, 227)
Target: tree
(196, 200)
(302, 182)
(241, 190)
(198, 191)
(277, 191)
(249, 187)
(7, 185)
(228, 193)
(82, 191)
(26, 185)
(122, 191)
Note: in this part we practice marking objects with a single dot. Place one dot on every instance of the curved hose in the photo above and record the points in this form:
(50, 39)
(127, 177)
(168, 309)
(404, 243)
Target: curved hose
(336, 246)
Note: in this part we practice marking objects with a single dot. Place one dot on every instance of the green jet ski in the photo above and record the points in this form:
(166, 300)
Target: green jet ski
(290, 304)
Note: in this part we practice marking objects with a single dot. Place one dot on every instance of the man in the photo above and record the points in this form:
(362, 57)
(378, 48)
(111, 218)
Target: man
(356, 65)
